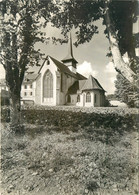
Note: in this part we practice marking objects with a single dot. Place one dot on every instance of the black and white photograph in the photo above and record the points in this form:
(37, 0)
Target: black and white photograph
(69, 97)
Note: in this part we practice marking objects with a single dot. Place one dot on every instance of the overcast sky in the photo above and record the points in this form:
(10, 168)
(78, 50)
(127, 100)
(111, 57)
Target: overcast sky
(91, 57)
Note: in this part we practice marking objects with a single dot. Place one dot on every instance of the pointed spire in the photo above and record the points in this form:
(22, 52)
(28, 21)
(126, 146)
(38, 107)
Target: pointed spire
(70, 47)
(70, 51)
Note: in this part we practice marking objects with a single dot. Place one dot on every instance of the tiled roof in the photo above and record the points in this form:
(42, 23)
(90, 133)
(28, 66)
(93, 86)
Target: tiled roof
(92, 83)
(80, 76)
(63, 68)
(83, 85)
(29, 78)
(74, 88)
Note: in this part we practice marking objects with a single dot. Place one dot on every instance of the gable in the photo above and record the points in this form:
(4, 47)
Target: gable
(47, 64)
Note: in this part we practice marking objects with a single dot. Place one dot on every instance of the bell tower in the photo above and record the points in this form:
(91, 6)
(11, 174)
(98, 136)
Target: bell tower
(69, 60)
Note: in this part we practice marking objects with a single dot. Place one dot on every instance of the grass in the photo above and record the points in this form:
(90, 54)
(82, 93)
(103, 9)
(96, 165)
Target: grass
(73, 153)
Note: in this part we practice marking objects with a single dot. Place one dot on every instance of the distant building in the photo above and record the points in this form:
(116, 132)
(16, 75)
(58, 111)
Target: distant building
(4, 95)
(3, 85)
(59, 83)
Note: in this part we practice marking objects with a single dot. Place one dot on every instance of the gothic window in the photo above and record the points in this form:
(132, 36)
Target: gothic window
(48, 85)
(25, 86)
(25, 93)
(88, 97)
(30, 86)
(78, 98)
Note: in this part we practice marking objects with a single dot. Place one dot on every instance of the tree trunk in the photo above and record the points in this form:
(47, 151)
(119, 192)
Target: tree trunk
(15, 114)
(122, 67)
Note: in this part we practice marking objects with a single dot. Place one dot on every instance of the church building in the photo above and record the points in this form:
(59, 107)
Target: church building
(59, 83)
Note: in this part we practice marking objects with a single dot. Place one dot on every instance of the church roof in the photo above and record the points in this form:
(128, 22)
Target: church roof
(92, 83)
(63, 68)
(74, 88)
(84, 85)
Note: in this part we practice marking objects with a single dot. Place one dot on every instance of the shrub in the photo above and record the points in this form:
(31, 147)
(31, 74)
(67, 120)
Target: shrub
(59, 118)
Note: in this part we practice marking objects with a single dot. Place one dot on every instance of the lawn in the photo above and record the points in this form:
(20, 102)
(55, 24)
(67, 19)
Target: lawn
(67, 151)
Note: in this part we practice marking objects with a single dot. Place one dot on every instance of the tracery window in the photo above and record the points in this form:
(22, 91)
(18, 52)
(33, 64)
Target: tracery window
(88, 97)
(48, 85)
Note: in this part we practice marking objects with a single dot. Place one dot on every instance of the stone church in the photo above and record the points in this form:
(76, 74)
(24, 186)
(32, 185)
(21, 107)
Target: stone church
(59, 83)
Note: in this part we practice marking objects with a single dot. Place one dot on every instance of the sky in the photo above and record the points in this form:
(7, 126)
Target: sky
(91, 56)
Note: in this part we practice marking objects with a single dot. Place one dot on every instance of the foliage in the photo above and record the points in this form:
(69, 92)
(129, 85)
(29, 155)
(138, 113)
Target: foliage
(96, 159)
(75, 120)
(81, 16)
(126, 92)
(111, 97)
(20, 26)
(20, 30)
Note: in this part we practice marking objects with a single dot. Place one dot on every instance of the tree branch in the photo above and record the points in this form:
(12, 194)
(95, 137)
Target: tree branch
(122, 67)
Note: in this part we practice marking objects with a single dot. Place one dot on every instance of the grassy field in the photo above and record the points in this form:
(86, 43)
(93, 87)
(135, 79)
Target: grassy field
(71, 151)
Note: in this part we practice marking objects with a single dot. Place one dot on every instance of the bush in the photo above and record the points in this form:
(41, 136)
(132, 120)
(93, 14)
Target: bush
(71, 119)
(5, 114)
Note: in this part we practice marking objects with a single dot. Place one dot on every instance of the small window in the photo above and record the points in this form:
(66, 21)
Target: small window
(30, 86)
(95, 98)
(48, 62)
(31, 93)
(78, 98)
(88, 97)
(25, 93)
(25, 86)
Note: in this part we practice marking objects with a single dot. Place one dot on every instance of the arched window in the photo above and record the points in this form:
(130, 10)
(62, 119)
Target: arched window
(88, 97)
(48, 85)
(78, 98)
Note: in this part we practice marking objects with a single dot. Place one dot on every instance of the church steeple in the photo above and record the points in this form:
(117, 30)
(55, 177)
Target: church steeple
(70, 47)
(69, 60)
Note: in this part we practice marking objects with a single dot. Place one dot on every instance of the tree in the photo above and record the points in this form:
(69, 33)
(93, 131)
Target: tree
(117, 16)
(20, 30)
(126, 92)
